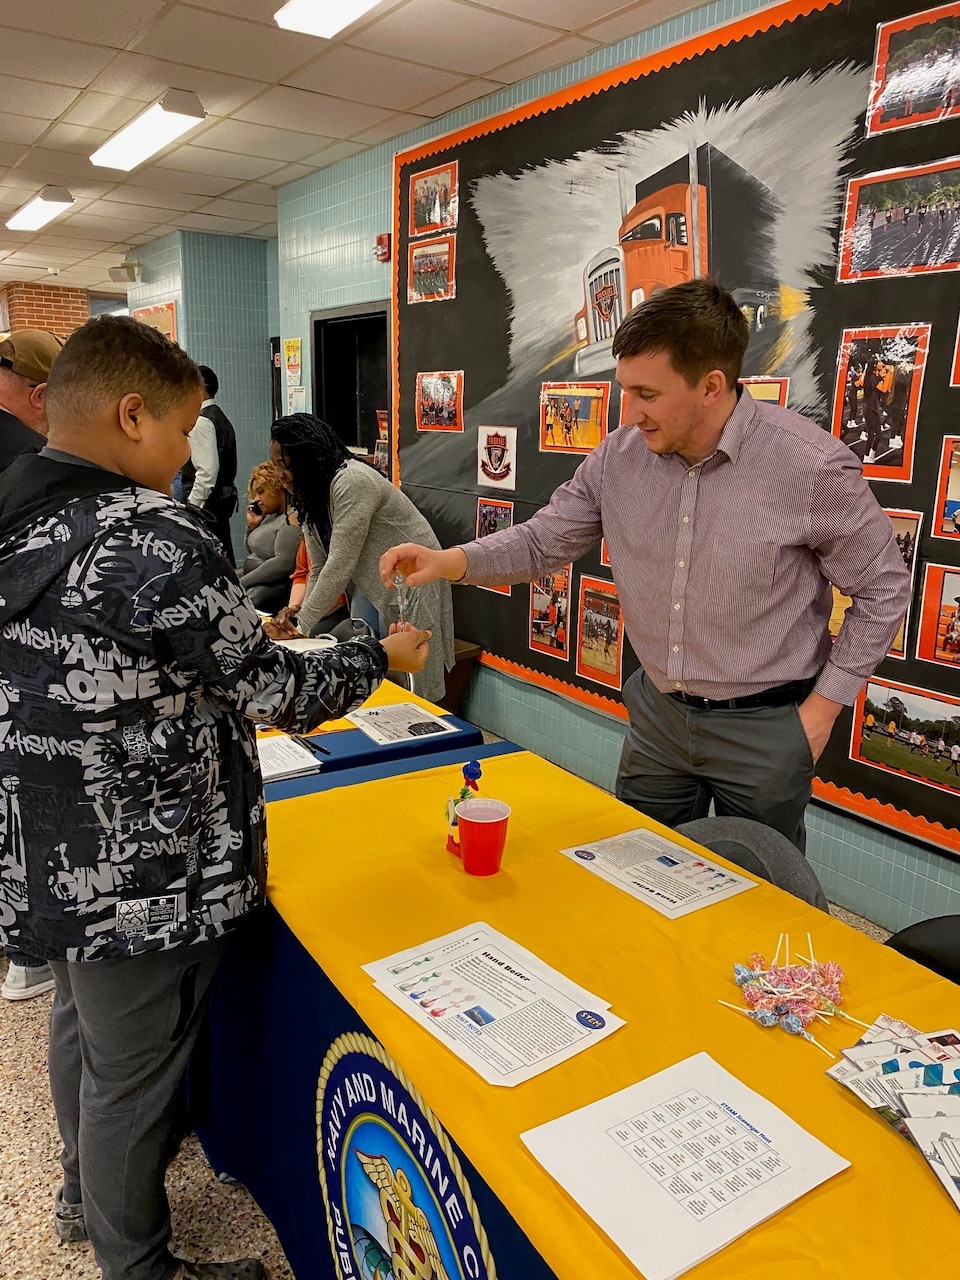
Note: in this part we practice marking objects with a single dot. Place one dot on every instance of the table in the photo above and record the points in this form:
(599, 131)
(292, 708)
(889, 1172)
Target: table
(381, 881)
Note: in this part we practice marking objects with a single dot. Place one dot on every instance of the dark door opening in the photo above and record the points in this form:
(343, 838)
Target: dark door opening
(350, 374)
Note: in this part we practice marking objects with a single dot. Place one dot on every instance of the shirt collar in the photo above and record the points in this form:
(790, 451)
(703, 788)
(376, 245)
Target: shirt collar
(205, 404)
(731, 438)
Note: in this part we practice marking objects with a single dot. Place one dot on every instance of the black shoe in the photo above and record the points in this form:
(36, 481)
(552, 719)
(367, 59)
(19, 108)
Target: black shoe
(68, 1220)
(242, 1269)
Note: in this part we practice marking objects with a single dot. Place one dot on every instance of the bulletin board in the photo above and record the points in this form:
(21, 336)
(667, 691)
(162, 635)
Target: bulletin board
(807, 156)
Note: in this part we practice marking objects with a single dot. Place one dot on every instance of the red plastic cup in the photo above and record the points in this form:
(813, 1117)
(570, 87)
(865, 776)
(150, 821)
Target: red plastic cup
(482, 826)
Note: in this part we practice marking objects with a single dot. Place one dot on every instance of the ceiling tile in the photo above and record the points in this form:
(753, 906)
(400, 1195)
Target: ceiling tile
(21, 273)
(136, 217)
(44, 101)
(154, 199)
(330, 155)
(468, 91)
(10, 152)
(111, 22)
(78, 138)
(568, 49)
(267, 232)
(569, 15)
(347, 72)
(222, 164)
(52, 61)
(30, 176)
(207, 222)
(254, 10)
(259, 192)
(131, 75)
(112, 228)
(23, 129)
(392, 127)
(102, 110)
(636, 18)
(319, 113)
(220, 43)
(460, 38)
(201, 184)
(70, 164)
(289, 173)
(237, 209)
(257, 140)
(81, 245)
(31, 257)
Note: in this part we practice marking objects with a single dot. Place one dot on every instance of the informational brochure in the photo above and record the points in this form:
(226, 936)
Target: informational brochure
(282, 757)
(308, 644)
(494, 1003)
(401, 722)
(659, 871)
(939, 1141)
(677, 1166)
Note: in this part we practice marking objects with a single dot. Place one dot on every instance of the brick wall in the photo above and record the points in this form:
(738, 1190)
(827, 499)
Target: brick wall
(46, 306)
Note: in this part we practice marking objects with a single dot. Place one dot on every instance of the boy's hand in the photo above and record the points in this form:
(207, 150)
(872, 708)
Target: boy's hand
(407, 648)
(282, 626)
(420, 565)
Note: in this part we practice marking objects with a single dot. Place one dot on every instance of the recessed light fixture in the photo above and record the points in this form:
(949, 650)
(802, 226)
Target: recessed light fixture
(321, 17)
(176, 112)
(41, 209)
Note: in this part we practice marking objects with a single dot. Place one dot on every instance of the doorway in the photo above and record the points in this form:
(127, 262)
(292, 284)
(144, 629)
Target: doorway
(350, 364)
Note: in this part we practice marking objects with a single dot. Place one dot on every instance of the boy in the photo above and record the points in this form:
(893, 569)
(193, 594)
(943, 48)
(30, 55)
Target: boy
(131, 810)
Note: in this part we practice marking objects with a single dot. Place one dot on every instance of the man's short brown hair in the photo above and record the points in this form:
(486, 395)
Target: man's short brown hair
(697, 323)
(113, 356)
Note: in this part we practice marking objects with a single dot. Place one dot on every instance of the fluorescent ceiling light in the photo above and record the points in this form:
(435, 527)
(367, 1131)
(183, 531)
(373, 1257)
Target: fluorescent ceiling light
(41, 209)
(321, 17)
(152, 130)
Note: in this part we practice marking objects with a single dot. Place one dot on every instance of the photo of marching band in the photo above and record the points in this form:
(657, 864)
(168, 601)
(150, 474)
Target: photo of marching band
(434, 200)
(431, 275)
(493, 516)
(550, 613)
(916, 76)
(877, 396)
(600, 633)
(946, 522)
(573, 416)
(440, 401)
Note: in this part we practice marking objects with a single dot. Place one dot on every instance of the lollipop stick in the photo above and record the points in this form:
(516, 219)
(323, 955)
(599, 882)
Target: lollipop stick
(820, 1046)
(736, 1008)
(810, 949)
(776, 957)
(841, 1014)
(786, 963)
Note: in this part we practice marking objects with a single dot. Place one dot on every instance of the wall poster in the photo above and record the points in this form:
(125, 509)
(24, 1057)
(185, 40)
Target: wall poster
(806, 156)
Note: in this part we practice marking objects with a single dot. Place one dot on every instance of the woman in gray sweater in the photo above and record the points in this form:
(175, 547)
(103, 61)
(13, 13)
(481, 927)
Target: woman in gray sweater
(351, 515)
(272, 542)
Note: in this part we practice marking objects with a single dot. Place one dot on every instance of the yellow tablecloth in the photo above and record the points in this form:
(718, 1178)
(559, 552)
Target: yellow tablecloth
(386, 694)
(377, 879)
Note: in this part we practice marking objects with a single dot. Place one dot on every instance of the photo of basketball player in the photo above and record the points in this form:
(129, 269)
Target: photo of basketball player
(434, 199)
(877, 396)
(909, 731)
(493, 516)
(769, 390)
(916, 76)
(946, 520)
(902, 222)
(573, 416)
(431, 270)
(939, 639)
(600, 633)
(907, 528)
(550, 613)
(440, 401)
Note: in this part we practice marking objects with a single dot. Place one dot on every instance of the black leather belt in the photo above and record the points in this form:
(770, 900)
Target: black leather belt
(779, 696)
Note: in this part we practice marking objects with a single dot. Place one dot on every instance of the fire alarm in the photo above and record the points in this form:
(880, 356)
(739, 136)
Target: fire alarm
(382, 250)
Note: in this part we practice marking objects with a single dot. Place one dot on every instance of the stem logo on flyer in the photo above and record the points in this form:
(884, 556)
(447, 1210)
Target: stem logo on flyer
(398, 1206)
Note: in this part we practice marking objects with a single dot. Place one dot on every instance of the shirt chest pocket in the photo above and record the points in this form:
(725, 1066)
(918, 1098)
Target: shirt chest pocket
(742, 575)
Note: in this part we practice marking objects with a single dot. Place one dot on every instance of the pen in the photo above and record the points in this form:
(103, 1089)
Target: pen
(311, 743)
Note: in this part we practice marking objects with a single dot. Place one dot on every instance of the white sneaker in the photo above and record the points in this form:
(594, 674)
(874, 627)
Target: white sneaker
(896, 442)
(869, 457)
(23, 982)
(863, 435)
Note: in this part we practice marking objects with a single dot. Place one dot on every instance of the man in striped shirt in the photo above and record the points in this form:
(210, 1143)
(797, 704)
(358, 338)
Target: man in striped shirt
(726, 520)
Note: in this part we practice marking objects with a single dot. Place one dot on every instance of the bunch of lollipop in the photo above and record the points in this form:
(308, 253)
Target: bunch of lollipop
(791, 996)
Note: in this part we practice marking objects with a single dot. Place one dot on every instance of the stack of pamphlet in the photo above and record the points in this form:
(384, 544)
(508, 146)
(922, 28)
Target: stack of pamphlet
(911, 1079)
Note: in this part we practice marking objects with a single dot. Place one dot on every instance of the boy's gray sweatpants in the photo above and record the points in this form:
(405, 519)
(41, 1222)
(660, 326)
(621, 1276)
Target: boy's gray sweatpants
(121, 1032)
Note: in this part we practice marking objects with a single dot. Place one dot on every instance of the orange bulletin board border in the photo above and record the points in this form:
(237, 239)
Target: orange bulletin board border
(162, 317)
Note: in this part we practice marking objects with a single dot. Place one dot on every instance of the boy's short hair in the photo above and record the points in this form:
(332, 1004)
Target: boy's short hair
(211, 383)
(697, 323)
(113, 356)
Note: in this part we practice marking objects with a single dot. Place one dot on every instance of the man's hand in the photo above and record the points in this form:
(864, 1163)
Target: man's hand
(407, 647)
(420, 565)
(817, 715)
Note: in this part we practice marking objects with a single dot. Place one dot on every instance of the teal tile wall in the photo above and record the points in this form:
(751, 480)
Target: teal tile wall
(273, 289)
(327, 226)
(161, 277)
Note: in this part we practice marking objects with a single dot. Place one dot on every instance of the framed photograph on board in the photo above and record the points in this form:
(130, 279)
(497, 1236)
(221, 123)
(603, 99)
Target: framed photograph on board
(434, 199)
(550, 613)
(440, 401)
(600, 633)
(907, 526)
(876, 399)
(939, 639)
(901, 222)
(431, 272)
(916, 73)
(497, 457)
(908, 731)
(946, 515)
(492, 516)
(769, 390)
(573, 416)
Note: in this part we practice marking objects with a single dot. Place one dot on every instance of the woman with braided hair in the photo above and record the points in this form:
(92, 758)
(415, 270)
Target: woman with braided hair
(350, 515)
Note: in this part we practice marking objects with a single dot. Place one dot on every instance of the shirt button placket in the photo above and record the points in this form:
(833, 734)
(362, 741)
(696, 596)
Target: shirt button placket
(688, 502)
